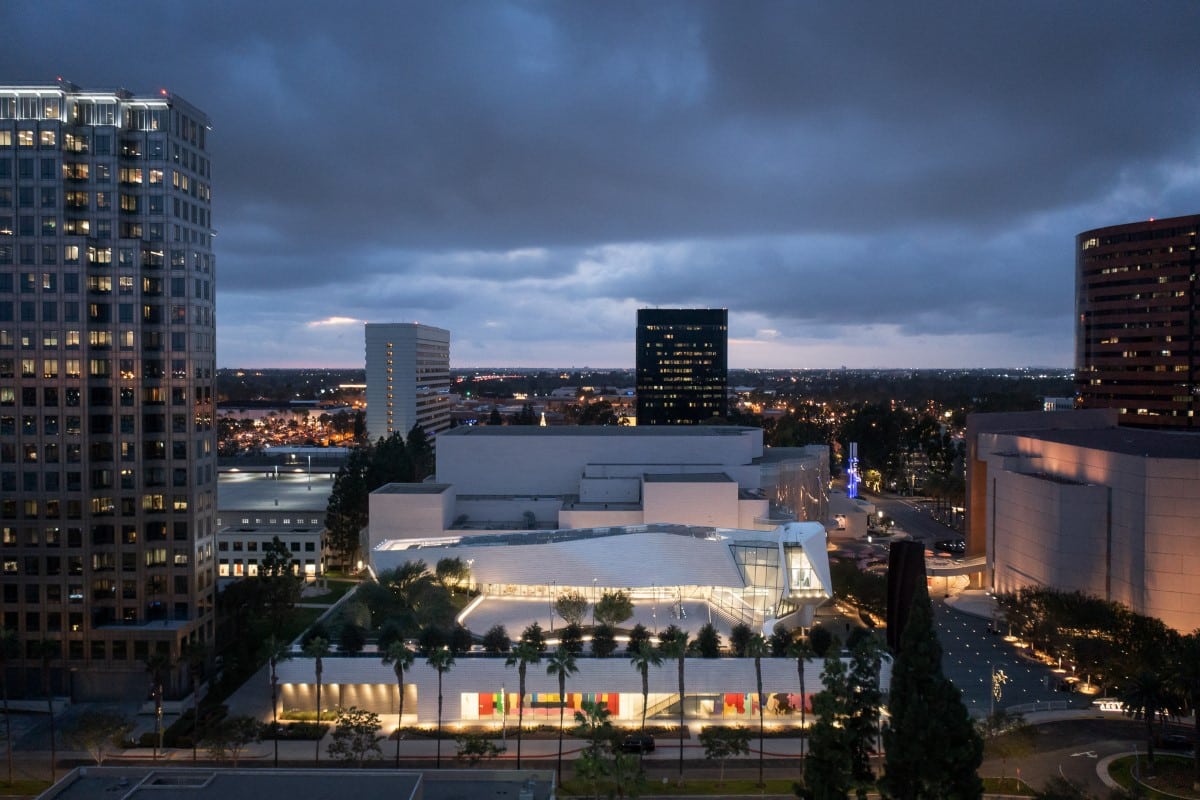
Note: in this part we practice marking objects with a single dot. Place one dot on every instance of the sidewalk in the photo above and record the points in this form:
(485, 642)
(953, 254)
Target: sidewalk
(973, 602)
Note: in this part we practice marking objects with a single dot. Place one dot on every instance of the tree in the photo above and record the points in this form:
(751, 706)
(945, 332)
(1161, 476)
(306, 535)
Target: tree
(756, 648)
(592, 724)
(708, 641)
(420, 454)
(642, 659)
(740, 636)
(356, 736)
(231, 736)
(604, 641)
(779, 641)
(158, 664)
(496, 640)
(1008, 736)
(1185, 667)
(560, 664)
(441, 660)
(932, 749)
(613, 608)
(571, 638)
(675, 645)
(802, 651)
(1147, 696)
(94, 731)
(195, 655)
(827, 774)
(452, 573)
(400, 657)
(281, 585)
(524, 654)
(494, 418)
(274, 650)
(9, 648)
(533, 635)
(820, 639)
(722, 743)
(352, 638)
(316, 649)
(862, 701)
(571, 606)
(637, 637)
(476, 747)
(346, 512)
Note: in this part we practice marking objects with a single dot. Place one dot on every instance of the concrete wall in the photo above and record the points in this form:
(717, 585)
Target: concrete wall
(409, 516)
(714, 504)
(552, 461)
(1144, 510)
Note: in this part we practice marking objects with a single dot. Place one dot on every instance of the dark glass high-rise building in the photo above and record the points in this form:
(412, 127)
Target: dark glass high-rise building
(107, 442)
(682, 365)
(1137, 341)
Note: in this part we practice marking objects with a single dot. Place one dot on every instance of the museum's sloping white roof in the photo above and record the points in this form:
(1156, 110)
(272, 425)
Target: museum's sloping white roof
(633, 556)
(629, 559)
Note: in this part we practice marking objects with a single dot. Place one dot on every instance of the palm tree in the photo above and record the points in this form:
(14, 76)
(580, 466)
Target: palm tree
(676, 647)
(524, 654)
(1148, 695)
(276, 650)
(48, 650)
(196, 655)
(802, 651)
(642, 659)
(401, 658)
(441, 660)
(316, 649)
(9, 648)
(756, 648)
(560, 664)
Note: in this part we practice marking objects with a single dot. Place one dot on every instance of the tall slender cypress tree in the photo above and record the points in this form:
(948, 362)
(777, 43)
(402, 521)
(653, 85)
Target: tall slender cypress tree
(933, 749)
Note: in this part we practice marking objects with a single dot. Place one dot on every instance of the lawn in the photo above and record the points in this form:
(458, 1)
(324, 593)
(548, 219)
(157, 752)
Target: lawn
(1008, 785)
(1171, 774)
(24, 787)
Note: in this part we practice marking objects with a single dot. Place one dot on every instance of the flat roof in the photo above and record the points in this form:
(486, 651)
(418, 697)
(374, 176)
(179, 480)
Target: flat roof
(596, 430)
(688, 477)
(412, 488)
(247, 491)
(1126, 441)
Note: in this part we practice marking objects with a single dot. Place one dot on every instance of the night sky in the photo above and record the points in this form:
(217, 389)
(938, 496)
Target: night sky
(860, 184)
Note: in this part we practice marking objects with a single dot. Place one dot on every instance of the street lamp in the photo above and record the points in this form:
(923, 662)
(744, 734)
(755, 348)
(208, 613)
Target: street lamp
(550, 602)
(593, 603)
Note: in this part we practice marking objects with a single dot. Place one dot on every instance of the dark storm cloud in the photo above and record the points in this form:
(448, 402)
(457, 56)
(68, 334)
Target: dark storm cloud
(515, 170)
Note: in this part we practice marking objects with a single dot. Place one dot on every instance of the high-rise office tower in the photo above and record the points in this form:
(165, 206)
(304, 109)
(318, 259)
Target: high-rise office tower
(1137, 304)
(682, 365)
(107, 443)
(408, 379)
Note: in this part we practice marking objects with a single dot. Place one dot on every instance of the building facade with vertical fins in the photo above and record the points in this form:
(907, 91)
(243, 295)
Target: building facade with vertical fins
(682, 365)
(107, 356)
(1138, 322)
(408, 379)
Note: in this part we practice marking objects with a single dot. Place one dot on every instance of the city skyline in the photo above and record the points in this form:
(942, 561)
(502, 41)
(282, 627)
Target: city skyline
(895, 189)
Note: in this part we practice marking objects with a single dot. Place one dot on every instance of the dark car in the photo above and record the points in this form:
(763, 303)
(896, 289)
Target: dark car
(638, 743)
(1175, 741)
(953, 546)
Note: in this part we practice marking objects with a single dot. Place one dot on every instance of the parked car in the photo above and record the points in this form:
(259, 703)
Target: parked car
(1175, 741)
(952, 546)
(638, 743)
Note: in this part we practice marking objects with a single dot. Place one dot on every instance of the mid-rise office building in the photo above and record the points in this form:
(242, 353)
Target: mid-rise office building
(107, 443)
(408, 379)
(682, 365)
(1137, 343)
